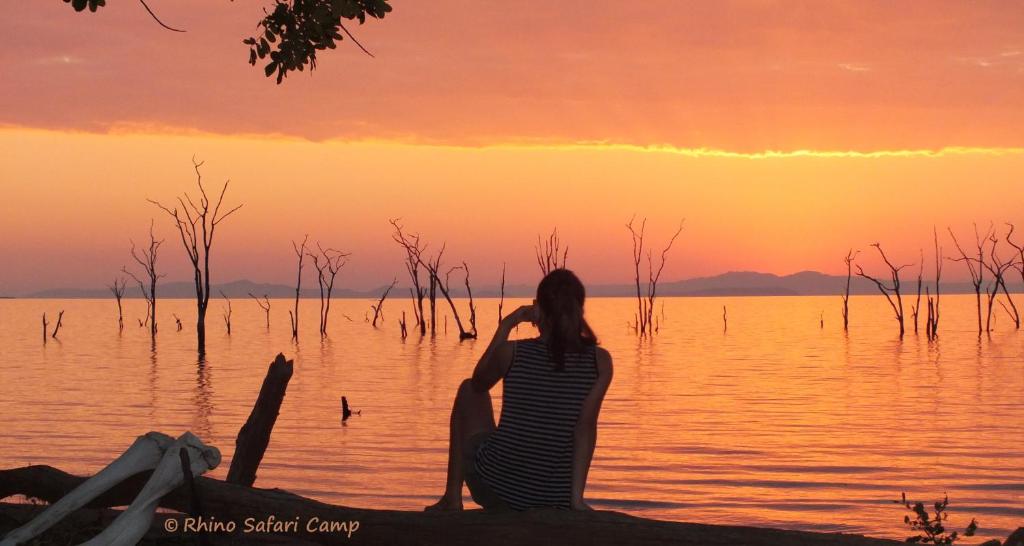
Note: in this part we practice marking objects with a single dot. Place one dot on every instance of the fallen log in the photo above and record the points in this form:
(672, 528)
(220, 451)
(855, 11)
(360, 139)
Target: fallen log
(254, 437)
(260, 509)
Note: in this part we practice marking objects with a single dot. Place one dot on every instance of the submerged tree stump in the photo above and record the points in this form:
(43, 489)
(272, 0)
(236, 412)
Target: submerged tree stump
(254, 436)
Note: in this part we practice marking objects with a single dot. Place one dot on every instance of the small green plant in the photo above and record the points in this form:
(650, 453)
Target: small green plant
(931, 529)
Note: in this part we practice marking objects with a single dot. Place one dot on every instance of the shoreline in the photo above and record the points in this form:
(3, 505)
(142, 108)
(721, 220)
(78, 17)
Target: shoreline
(532, 528)
(230, 502)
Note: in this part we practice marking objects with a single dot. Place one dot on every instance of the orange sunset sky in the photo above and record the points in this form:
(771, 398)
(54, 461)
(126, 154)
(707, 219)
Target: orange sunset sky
(784, 132)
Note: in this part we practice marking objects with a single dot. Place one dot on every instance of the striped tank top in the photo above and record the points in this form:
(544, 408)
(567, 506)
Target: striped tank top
(527, 460)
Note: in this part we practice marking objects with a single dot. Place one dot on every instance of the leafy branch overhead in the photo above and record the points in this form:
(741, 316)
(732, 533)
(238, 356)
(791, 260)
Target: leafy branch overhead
(293, 31)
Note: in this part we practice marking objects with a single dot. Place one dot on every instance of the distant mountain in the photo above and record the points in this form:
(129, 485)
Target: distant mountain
(185, 289)
(804, 283)
(733, 283)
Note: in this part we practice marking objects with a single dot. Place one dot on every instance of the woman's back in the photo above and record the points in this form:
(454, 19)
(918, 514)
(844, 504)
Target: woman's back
(528, 459)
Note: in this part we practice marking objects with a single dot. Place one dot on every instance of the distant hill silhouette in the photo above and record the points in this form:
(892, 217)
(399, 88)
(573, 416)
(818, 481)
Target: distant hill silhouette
(733, 283)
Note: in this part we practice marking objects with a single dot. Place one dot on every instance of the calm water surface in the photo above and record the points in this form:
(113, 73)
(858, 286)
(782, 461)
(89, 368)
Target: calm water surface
(774, 421)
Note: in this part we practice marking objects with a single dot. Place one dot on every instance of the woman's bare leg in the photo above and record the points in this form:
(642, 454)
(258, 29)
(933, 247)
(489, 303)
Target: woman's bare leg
(472, 413)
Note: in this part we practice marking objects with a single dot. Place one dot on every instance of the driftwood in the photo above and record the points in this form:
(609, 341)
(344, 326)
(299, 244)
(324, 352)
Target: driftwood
(134, 522)
(230, 502)
(148, 451)
(254, 436)
(144, 454)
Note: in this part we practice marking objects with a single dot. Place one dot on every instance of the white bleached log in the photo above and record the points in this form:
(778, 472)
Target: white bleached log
(133, 523)
(144, 454)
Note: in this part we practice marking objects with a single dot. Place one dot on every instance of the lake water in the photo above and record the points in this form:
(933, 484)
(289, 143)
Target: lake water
(775, 421)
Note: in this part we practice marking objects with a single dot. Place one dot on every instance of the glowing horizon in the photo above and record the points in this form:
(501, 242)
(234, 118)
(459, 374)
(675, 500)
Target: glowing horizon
(779, 196)
(785, 135)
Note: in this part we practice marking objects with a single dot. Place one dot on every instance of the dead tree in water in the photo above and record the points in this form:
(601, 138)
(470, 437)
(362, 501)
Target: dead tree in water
(850, 256)
(645, 302)
(930, 324)
(56, 327)
(264, 305)
(327, 263)
(1019, 263)
(300, 251)
(413, 249)
(196, 224)
(227, 312)
(975, 266)
(933, 332)
(443, 287)
(725, 319)
(917, 303)
(432, 265)
(378, 310)
(147, 259)
(401, 324)
(118, 290)
(501, 301)
(547, 253)
(998, 268)
(888, 291)
(177, 320)
(472, 306)
(435, 265)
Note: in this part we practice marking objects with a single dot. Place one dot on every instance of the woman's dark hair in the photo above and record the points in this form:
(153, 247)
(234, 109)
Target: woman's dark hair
(560, 296)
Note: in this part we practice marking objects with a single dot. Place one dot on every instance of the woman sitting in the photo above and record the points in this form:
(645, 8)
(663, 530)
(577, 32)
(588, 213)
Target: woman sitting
(540, 452)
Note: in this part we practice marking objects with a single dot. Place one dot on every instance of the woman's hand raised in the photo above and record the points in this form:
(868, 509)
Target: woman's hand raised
(523, 313)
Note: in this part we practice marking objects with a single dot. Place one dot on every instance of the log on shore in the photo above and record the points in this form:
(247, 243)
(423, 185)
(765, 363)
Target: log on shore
(231, 502)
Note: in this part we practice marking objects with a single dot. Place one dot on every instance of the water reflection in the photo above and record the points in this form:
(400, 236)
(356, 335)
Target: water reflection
(769, 422)
(153, 378)
(203, 400)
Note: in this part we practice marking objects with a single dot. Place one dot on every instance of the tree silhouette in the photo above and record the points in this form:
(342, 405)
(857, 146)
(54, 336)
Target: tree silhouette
(300, 252)
(292, 32)
(147, 259)
(413, 249)
(117, 288)
(197, 220)
(548, 253)
(327, 264)
(264, 305)
(645, 302)
(888, 290)
(848, 260)
(975, 266)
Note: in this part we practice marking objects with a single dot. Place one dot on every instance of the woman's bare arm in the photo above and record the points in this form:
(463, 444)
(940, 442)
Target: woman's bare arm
(498, 356)
(586, 429)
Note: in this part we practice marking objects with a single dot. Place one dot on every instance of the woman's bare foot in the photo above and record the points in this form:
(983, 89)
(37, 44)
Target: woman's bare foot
(446, 504)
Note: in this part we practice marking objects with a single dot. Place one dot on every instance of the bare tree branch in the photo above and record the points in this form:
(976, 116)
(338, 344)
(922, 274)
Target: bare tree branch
(851, 255)
(196, 229)
(645, 324)
(888, 291)
(157, 19)
(327, 263)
